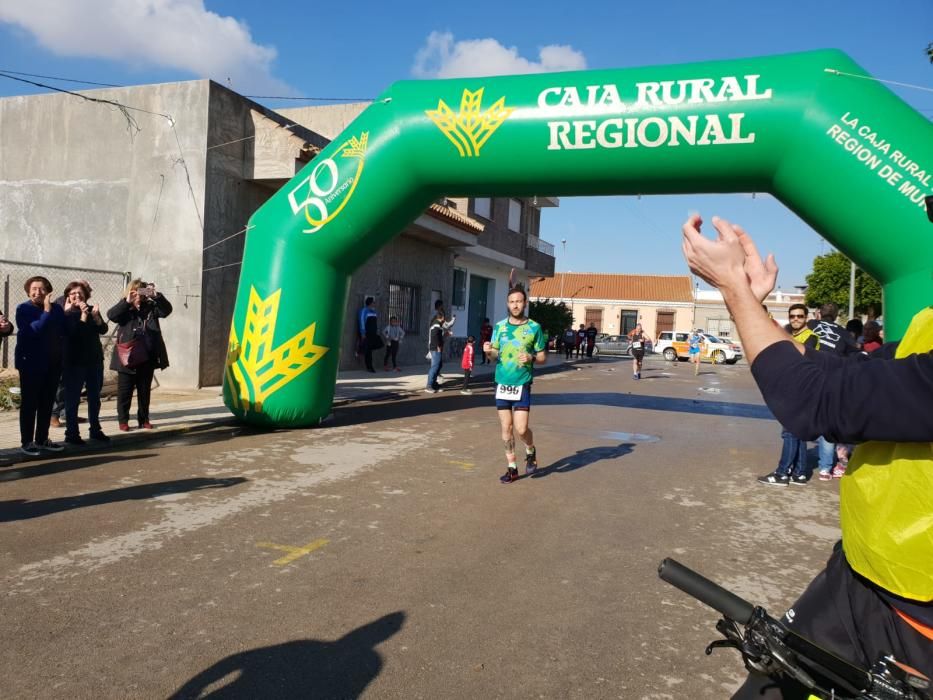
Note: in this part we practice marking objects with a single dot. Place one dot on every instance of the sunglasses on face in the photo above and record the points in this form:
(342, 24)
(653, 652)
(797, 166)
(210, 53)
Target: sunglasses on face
(796, 315)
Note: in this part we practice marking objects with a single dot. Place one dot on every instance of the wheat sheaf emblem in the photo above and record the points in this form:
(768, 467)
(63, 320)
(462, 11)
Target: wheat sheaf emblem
(255, 369)
(469, 128)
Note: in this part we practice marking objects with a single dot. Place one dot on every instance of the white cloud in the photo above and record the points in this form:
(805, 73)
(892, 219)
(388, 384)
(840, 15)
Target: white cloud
(442, 57)
(178, 34)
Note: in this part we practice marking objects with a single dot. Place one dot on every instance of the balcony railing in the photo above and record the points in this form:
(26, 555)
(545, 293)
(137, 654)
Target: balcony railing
(541, 246)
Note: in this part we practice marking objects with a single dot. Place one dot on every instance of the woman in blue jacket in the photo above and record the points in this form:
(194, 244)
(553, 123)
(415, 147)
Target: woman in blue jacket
(39, 361)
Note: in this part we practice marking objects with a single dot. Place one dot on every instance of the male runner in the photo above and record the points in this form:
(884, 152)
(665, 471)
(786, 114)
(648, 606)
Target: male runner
(517, 343)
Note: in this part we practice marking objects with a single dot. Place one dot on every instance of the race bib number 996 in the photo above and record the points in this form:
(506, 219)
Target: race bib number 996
(504, 392)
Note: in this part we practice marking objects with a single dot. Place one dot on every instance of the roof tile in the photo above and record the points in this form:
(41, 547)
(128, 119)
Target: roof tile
(662, 288)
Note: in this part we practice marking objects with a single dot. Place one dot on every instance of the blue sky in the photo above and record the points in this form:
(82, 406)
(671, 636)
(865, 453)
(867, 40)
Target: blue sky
(355, 50)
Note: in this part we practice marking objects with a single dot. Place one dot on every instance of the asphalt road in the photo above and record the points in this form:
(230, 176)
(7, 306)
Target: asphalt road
(380, 557)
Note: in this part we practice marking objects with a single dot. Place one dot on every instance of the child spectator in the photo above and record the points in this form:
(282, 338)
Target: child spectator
(872, 336)
(467, 364)
(393, 334)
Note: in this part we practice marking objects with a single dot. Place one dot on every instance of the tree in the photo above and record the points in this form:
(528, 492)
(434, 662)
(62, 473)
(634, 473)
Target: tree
(829, 282)
(553, 317)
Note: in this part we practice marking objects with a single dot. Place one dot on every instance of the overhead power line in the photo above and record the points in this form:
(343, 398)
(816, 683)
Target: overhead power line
(311, 99)
(10, 73)
(52, 77)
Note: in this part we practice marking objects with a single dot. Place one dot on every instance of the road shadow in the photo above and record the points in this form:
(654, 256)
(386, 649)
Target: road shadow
(306, 668)
(584, 458)
(30, 471)
(427, 404)
(20, 509)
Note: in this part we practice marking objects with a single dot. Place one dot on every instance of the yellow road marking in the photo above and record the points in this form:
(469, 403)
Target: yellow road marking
(293, 552)
(467, 466)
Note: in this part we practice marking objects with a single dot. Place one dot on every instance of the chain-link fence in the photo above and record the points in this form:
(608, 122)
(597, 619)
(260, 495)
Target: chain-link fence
(108, 287)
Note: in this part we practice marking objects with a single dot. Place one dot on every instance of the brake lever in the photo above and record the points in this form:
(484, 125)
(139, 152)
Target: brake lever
(722, 644)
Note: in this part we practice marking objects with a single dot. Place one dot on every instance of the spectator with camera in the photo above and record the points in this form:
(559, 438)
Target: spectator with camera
(6, 328)
(39, 361)
(84, 361)
(139, 350)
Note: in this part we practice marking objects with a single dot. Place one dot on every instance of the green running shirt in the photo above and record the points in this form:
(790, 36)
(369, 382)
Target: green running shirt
(510, 340)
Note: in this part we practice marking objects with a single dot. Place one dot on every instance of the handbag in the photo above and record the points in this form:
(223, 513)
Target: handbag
(133, 353)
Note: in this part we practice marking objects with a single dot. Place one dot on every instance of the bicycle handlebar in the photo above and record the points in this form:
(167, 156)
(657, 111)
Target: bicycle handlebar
(768, 644)
(704, 590)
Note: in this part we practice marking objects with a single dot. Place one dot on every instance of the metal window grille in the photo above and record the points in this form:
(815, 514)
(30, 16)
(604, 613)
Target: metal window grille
(594, 316)
(719, 327)
(629, 320)
(403, 303)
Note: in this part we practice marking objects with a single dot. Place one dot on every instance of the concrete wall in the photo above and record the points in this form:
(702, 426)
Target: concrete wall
(83, 185)
(326, 120)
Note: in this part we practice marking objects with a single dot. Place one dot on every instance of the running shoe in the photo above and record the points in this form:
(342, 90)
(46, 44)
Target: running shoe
(531, 462)
(826, 476)
(49, 446)
(31, 449)
(466, 392)
(838, 471)
(509, 476)
(799, 479)
(74, 440)
(774, 479)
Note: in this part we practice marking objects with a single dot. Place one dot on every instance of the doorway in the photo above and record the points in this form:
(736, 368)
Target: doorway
(665, 322)
(477, 304)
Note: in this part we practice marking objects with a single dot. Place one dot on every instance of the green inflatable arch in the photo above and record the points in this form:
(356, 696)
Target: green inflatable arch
(813, 129)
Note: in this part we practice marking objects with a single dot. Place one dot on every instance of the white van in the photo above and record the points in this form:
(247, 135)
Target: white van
(674, 346)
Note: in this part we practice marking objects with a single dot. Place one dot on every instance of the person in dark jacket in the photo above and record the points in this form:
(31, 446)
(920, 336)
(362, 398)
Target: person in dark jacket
(435, 351)
(875, 595)
(369, 332)
(138, 316)
(84, 361)
(39, 361)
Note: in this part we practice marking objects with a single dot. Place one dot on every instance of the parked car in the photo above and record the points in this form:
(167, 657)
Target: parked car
(674, 346)
(612, 345)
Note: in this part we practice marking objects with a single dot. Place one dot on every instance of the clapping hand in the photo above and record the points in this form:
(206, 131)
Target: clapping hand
(731, 261)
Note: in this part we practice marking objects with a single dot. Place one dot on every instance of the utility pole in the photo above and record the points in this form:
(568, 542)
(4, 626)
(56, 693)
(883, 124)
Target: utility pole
(852, 292)
(563, 242)
(696, 293)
